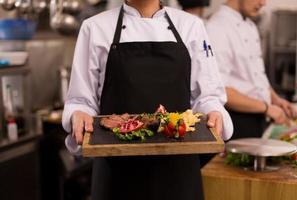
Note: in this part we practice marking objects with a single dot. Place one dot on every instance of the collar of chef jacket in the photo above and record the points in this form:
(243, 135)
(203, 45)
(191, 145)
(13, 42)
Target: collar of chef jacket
(134, 12)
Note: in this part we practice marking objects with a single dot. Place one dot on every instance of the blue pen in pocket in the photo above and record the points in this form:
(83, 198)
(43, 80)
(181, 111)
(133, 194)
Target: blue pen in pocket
(210, 49)
(205, 47)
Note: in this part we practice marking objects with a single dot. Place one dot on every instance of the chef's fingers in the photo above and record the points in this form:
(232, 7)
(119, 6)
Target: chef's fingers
(288, 122)
(286, 119)
(288, 110)
(293, 111)
(78, 128)
(211, 120)
(219, 125)
(89, 124)
(283, 119)
(215, 121)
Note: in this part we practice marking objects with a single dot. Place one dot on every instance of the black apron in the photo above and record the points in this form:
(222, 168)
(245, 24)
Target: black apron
(139, 77)
(247, 124)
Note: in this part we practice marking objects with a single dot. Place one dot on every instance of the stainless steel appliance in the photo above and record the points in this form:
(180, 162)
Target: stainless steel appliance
(261, 149)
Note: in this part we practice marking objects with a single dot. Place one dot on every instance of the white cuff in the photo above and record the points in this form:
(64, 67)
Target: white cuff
(72, 146)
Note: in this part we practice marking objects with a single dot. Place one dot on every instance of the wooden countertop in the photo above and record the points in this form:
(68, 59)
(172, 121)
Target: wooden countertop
(224, 182)
(218, 168)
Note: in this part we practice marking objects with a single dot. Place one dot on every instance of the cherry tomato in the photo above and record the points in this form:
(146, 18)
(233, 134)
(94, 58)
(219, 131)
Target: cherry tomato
(171, 126)
(182, 130)
(167, 131)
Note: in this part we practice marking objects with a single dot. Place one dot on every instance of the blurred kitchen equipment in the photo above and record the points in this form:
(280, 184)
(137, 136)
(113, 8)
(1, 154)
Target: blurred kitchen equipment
(261, 149)
(39, 5)
(64, 83)
(10, 115)
(63, 23)
(14, 57)
(13, 85)
(13, 102)
(4, 63)
(23, 6)
(72, 6)
(17, 29)
(94, 2)
(7, 4)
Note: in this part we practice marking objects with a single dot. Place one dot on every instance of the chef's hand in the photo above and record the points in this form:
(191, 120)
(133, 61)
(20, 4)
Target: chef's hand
(289, 109)
(81, 122)
(215, 120)
(278, 115)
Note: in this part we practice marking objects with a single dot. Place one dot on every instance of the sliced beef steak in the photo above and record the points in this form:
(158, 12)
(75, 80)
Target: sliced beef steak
(114, 121)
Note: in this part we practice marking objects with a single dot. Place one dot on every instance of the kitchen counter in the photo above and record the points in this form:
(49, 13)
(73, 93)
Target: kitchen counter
(223, 182)
(19, 168)
(28, 135)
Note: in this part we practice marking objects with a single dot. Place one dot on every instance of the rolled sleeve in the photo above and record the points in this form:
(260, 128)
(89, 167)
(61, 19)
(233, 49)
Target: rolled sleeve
(207, 90)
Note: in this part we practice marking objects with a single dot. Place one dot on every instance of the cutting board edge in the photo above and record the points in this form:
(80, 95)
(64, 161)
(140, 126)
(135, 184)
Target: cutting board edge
(145, 149)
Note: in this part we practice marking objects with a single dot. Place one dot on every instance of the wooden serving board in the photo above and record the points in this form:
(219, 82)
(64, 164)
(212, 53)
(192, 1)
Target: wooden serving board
(103, 143)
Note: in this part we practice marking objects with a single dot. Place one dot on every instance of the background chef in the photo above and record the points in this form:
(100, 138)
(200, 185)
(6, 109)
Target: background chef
(237, 48)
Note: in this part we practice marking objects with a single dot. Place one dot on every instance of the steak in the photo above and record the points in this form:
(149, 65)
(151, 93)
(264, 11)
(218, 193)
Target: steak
(128, 123)
(109, 123)
(114, 121)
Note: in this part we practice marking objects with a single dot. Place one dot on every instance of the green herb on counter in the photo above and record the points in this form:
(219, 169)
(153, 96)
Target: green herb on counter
(242, 160)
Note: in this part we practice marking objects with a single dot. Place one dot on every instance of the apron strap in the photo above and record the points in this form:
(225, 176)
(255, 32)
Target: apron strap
(173, 29)
(118, 32)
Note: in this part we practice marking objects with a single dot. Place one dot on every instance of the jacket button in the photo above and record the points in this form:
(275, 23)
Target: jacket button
(114, 46)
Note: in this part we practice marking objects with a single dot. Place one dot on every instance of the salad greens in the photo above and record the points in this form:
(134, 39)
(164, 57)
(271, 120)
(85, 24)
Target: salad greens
(138, 134)
(240, 160)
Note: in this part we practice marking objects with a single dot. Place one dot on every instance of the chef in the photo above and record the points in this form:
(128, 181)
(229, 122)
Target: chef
(238, 51)
(131, 59)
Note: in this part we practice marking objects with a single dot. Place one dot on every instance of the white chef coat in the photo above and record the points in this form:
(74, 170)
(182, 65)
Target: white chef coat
(92, 48)
(236, 45)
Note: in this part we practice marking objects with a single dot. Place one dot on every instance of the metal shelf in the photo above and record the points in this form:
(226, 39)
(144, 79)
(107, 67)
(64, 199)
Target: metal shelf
(10, 70)
(5, 143)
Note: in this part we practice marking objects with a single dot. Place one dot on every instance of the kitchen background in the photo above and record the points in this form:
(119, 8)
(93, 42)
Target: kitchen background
(34, 79)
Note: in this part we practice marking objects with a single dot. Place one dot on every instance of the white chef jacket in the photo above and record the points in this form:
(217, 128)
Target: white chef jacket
(92, 48)
(236, 45)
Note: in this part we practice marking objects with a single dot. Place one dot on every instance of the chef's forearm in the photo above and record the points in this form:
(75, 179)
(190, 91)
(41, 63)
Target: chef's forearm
(243, 103)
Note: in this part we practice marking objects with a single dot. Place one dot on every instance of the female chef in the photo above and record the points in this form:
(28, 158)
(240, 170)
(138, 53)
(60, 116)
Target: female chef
(131, 59)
